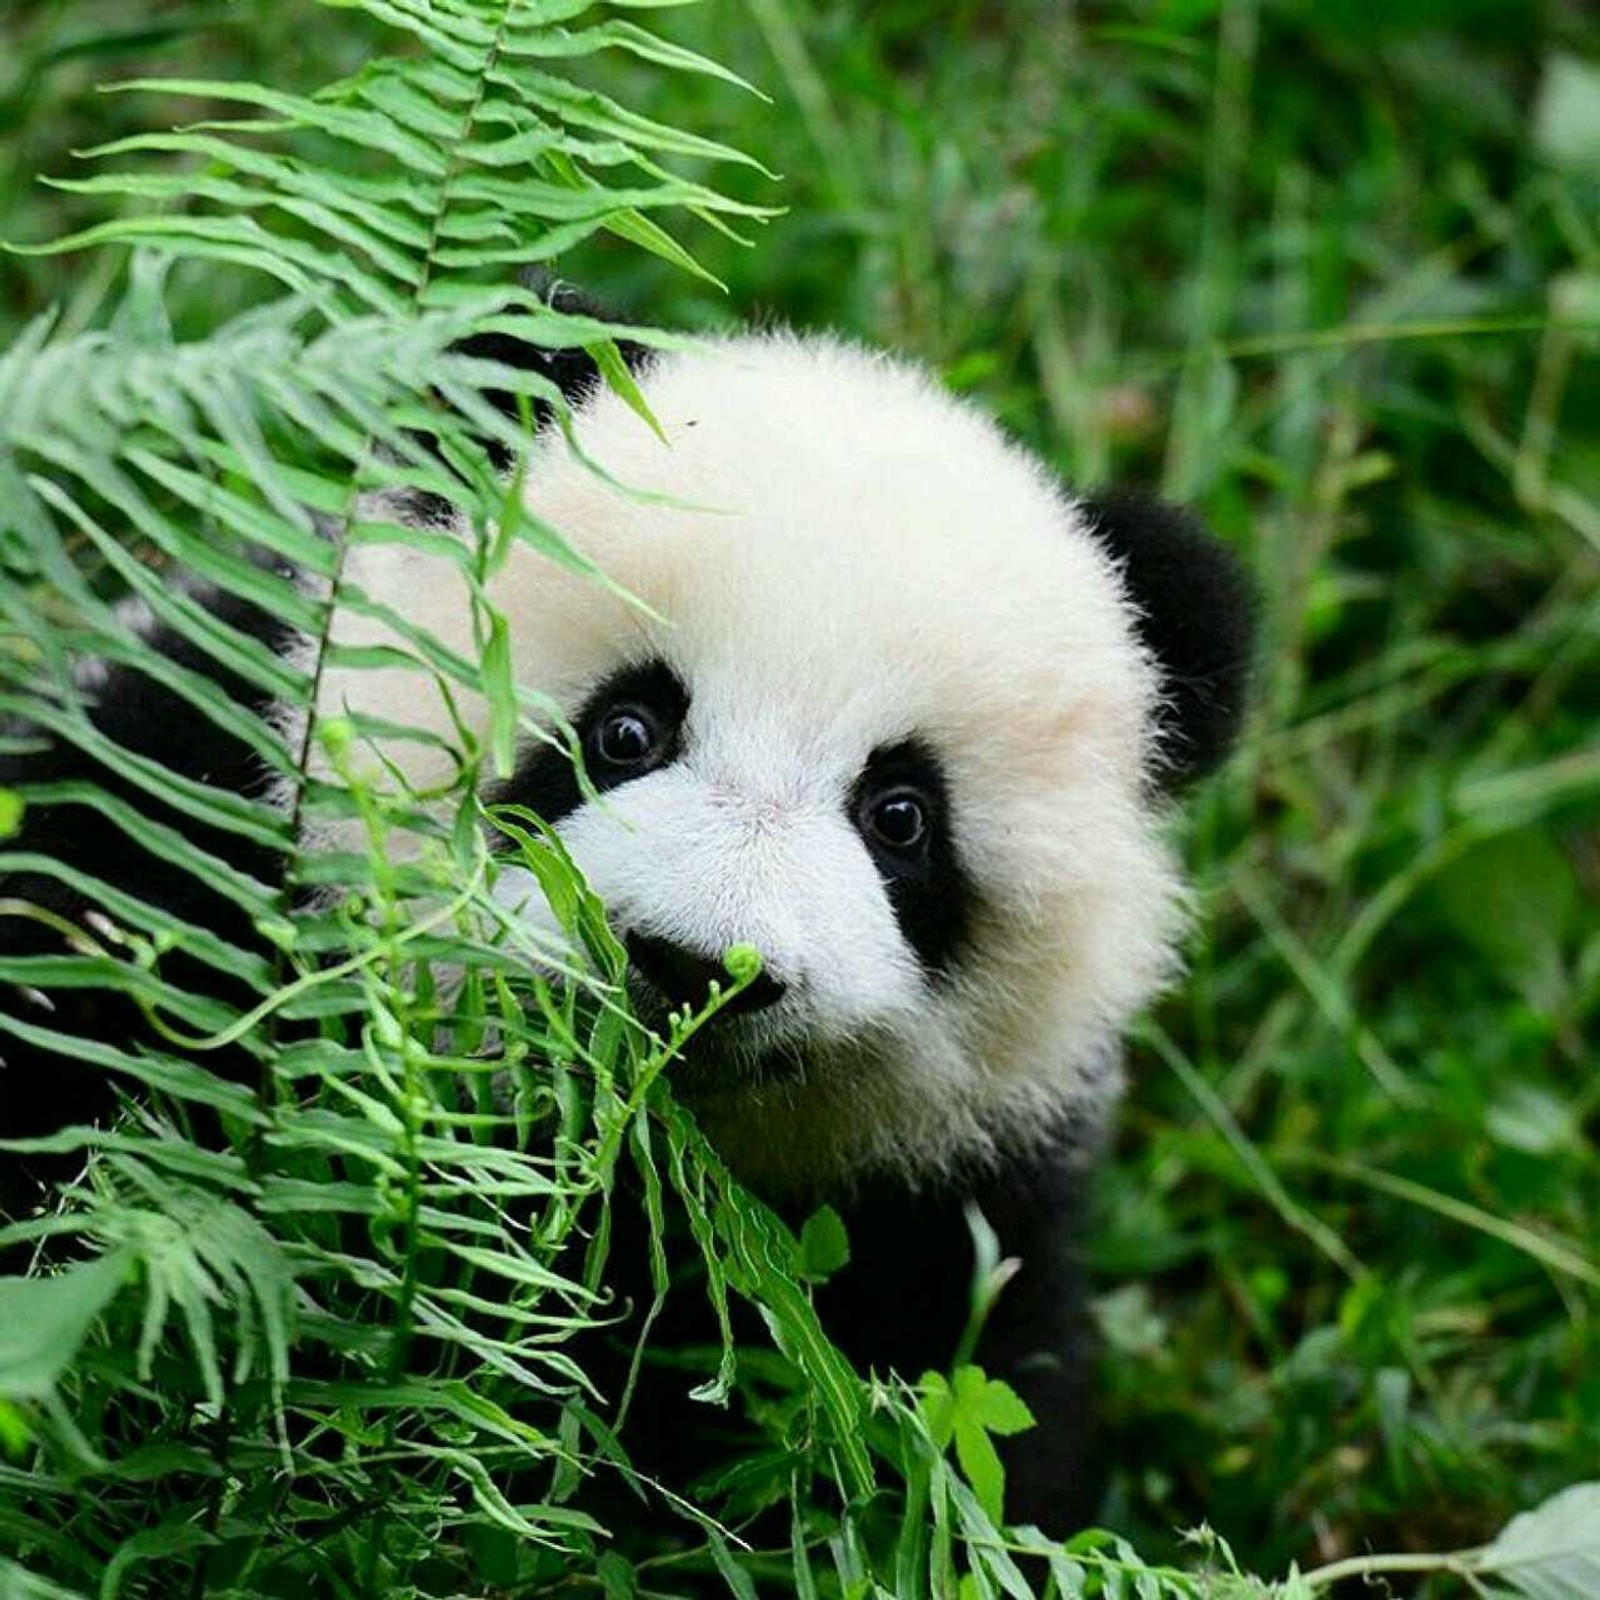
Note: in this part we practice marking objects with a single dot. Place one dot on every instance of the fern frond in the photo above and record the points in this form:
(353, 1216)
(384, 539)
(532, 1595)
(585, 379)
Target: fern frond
(322, 1336)
(468, 160)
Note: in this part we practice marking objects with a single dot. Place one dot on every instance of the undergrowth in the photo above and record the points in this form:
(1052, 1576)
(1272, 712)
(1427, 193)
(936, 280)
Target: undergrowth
(324, 1326)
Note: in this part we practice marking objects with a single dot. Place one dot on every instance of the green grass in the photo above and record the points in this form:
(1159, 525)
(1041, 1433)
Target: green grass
(1331, 272)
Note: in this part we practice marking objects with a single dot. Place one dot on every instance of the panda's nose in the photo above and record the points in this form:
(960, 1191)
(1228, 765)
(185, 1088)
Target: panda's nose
(683, 977)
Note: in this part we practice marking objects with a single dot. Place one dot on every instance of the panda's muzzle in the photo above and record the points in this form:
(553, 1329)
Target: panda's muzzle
(683, 977)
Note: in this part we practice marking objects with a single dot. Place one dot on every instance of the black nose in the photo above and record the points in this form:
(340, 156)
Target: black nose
(683, 978)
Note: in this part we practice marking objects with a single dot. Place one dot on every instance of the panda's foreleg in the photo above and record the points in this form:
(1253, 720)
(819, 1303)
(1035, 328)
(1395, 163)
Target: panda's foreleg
(905, 1298)
(45, 1083)
(1038, 1338)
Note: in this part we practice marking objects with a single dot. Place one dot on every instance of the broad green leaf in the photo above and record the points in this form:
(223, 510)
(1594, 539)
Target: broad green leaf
(1551, 1552)
(16, 1583)
(1566, 116)
(1514, 898)
(1526, 1117)
(44, 1321)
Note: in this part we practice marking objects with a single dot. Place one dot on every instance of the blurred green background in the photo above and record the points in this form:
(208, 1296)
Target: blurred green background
(1331, 271)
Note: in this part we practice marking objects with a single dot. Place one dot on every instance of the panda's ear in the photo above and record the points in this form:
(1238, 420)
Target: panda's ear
(570, 368)
(1196, 616)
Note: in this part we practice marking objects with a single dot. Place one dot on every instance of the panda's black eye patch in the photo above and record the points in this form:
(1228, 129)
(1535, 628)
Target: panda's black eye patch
(901, 808)
(631, 724)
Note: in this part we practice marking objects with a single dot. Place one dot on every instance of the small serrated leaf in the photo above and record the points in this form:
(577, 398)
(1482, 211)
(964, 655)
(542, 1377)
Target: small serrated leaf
(1002, 1410)
(824, 1245)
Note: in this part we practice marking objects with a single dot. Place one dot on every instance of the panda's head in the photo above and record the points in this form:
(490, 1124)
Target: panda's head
(894, 711)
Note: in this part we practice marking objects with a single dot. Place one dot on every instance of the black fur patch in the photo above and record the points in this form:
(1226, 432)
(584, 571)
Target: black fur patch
(930, 891)
(1197, 616)
(905, 1297)
(572, 370)
(40, 1089)
(902, 1302)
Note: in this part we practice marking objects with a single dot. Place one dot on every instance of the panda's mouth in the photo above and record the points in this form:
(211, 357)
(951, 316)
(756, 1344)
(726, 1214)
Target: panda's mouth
(736, 1049)
(680, 978)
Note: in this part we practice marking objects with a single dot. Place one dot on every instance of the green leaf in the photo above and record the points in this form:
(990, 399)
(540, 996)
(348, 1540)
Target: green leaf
(1001, 1409)
(1566, 117)
(980, 1462)
(1529, 1118)
(620, 379)
(176, 1534)
(1514, 899)
(19, 1584)
(824, 1245)
(969, 1409)
(1552, 1552)
(500, 683)
(618, 1580)
(44, 1321)
(740, 1584)
(937, 1403)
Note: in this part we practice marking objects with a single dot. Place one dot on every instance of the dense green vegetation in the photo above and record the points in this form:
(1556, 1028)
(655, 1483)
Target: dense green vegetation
(1332, 273)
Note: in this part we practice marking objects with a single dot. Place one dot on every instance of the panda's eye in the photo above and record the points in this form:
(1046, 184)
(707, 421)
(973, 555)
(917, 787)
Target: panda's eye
(629, 736)
(898, 819)
(632, 724)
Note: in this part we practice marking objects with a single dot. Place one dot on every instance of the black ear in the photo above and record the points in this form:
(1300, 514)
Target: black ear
(571, 368)
(1197, 616)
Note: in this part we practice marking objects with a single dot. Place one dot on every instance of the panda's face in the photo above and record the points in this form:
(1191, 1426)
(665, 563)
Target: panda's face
(875, 706)
(730, 817)
(721, 821)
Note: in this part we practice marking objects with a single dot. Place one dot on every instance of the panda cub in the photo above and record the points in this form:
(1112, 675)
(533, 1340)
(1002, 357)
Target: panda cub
(908, 724)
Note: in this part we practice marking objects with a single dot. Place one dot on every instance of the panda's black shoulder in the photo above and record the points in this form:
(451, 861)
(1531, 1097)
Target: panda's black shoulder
(131, 717)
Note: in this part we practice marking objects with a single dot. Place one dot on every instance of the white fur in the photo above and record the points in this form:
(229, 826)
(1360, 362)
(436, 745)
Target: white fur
(845, 556)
